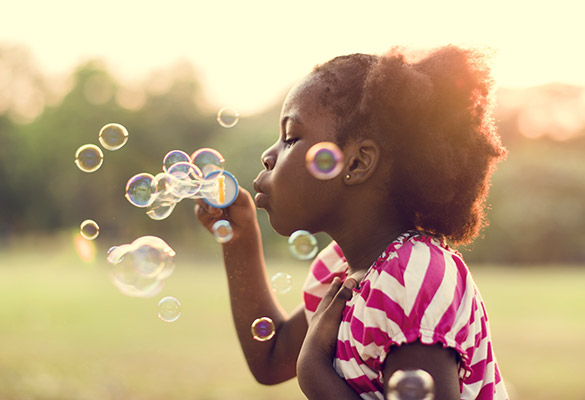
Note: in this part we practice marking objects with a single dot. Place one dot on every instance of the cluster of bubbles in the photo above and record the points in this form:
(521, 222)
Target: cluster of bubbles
(199, 175)
(324, 160)
(140, 268)
(410, 385)
(89, 157)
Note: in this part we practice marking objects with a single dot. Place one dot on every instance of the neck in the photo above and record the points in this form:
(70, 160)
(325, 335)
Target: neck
(363, 241)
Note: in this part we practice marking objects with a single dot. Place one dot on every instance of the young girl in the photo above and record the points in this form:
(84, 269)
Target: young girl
(388, 293)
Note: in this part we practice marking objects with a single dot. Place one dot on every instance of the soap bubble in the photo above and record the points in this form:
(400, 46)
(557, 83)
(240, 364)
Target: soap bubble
(140, 190)
(173, 157)
(222, 231)
(263, 329)
(139, 268)
(303, 245)
(410, 385)
(89, 229)
(113, 136)
(324, 160)
(208, 160)
(228, 117)
(169, 309)
(281, 282)
(89, 158)
(183, 179)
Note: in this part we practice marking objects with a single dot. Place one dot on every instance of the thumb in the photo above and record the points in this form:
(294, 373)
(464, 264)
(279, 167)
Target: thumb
(342, 296)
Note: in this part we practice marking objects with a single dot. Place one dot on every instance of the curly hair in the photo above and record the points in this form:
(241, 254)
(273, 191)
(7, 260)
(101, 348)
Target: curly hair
(434, 120)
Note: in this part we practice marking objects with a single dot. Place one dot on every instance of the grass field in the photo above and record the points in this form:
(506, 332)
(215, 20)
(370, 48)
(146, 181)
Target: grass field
(67, 333)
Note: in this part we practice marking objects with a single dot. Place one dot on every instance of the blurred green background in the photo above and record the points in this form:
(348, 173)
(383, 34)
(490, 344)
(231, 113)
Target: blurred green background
(67, 333)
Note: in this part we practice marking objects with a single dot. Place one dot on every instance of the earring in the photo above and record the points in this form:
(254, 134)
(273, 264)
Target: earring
(347, 176)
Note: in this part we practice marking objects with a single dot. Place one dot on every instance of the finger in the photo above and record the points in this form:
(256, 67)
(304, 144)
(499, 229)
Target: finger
(329, 295)
(337, 304)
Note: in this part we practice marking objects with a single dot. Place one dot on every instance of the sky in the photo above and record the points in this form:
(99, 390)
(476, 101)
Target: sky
(249, 53)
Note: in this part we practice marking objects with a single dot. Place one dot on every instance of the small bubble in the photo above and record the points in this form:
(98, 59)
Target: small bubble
(89, 158)
(281, 282)
(303, 245)
(222, 231)
(169, 309)
(113, 136)
(228, 117)
(410, 385)
(140, 190)
(89, 229)
(263, 329)
(324, 160)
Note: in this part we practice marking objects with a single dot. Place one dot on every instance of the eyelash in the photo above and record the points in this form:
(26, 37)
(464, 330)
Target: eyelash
(290, 142)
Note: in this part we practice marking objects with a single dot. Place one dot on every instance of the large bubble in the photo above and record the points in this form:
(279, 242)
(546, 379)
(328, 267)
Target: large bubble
(140, 190)
(140, 268)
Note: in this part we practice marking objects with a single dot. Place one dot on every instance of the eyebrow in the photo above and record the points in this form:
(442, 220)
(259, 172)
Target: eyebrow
(287, 118)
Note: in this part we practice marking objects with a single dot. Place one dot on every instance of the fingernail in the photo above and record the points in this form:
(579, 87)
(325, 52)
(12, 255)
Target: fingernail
(350, 283)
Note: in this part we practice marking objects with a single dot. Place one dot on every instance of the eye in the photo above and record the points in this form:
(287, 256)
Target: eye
(290, 142)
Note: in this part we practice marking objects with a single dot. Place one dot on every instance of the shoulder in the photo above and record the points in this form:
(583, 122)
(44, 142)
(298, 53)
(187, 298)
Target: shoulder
(328, 264)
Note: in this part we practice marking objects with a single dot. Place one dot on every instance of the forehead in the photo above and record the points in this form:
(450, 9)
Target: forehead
(305, 101)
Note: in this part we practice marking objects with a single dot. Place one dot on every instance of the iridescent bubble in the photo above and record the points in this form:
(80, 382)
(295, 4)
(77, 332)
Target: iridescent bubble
(160, 208)
(169, 309)
(89, 229)
(139, 268)
(263, 329)
(113, 136)
(303, 245)
(410, 385)
(222, 231)
(208, 160)
(228, 117)
(89, 158)
(173, 157)
(281, 282)
(140, 190)
(324, 160)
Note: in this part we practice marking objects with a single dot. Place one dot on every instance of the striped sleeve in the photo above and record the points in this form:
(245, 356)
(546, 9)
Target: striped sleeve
(419, 292)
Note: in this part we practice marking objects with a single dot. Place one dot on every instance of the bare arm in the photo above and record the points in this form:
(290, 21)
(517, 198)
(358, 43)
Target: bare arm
(251, 295)
(441, 363)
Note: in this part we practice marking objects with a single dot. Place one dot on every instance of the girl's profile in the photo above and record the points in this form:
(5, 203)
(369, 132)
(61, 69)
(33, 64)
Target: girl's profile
(389, 292)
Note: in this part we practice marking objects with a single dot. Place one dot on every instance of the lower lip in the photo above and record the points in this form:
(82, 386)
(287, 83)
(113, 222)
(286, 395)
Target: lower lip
(261, 200)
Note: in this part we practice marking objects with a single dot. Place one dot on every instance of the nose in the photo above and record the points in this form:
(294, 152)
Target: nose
(268, 159)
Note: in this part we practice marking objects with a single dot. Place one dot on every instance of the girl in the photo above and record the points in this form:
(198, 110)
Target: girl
(388, 293)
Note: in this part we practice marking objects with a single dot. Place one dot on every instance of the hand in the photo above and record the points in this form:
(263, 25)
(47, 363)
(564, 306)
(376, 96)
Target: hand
(321, 338)
(241, 214)
(316, 375)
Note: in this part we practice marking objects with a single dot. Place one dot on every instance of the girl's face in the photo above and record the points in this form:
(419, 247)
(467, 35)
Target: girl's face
(292, 197)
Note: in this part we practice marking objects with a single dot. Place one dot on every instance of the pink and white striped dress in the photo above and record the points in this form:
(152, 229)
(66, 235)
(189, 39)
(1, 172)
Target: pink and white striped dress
(418, 289)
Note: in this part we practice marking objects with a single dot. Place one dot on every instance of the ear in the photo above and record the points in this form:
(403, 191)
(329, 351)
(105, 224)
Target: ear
(362, 158)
